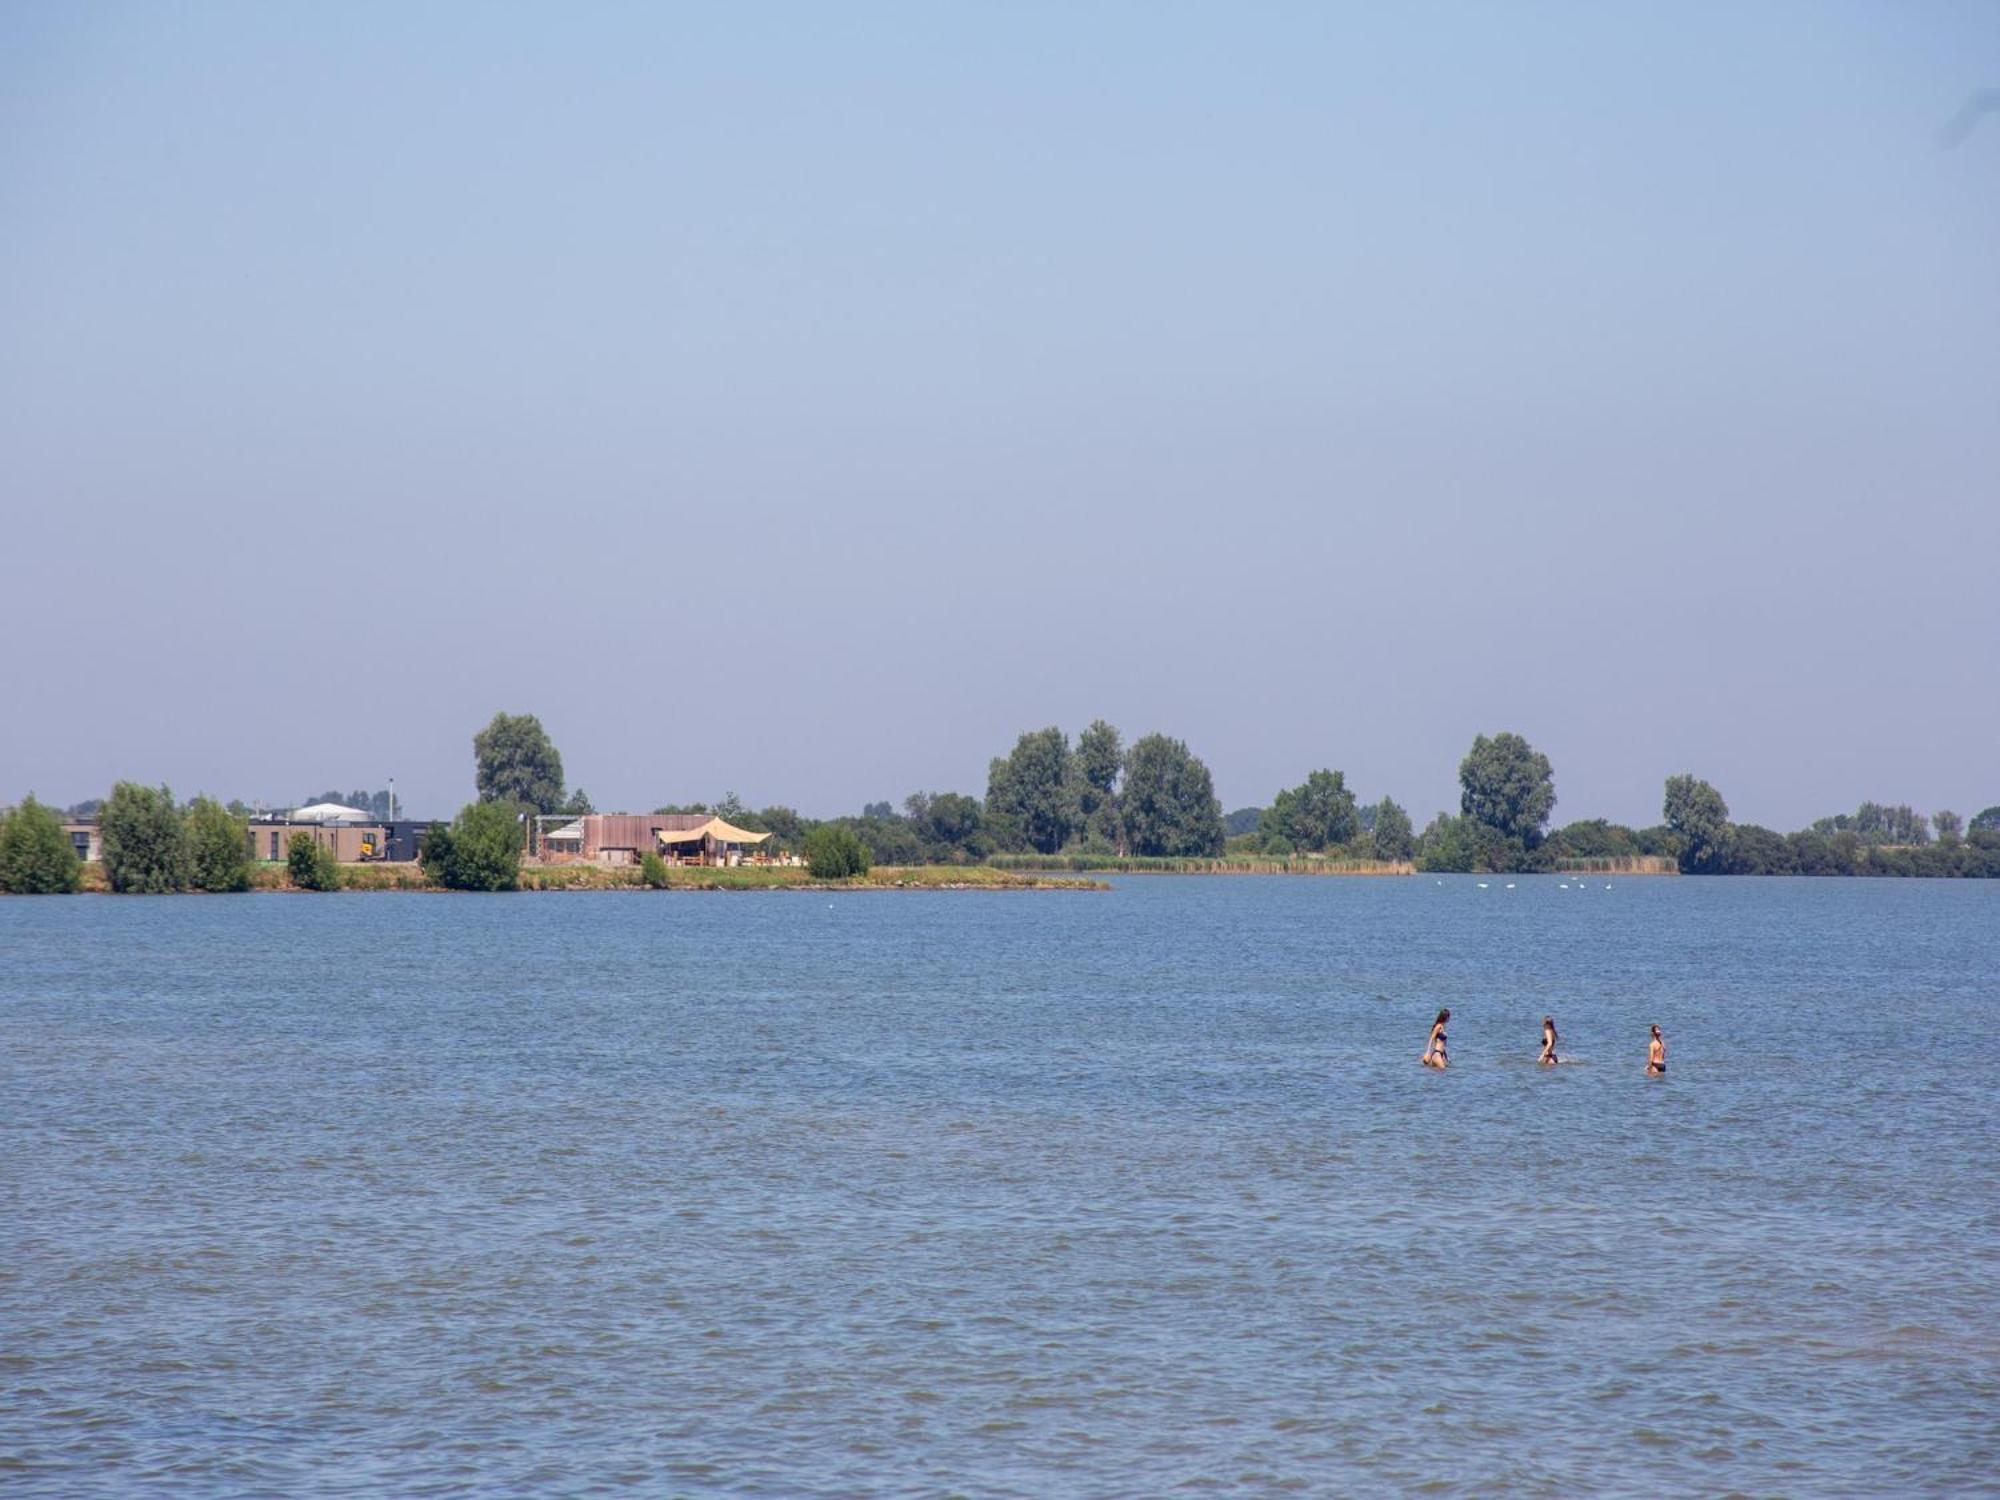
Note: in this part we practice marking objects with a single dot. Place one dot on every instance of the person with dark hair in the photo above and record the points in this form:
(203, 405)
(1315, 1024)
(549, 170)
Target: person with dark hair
(1656, 1053)
(1434, 1056)
(1548, 1059)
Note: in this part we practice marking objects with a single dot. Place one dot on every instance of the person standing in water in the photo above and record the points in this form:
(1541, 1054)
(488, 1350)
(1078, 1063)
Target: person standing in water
(1548, 1059)
(1656, 1053)
(1434, 1049)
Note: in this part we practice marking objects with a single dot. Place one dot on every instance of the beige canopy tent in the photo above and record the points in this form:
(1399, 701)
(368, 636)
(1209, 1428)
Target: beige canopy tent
(712, 835)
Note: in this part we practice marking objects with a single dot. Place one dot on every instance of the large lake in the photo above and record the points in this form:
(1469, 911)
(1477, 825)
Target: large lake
(1003, 1194)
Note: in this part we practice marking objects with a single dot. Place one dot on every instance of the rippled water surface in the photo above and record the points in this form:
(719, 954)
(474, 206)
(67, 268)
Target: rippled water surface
(1002, 1194)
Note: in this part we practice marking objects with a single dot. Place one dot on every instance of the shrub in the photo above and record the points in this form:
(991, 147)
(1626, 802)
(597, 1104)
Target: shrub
(310, 864)
(653, 870)
(218, 847)
(144, 838)
(35, 854)
(833, 852)
(480, 851)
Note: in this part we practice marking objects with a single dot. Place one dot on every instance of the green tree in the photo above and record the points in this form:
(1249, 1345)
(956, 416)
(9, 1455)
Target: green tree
(786, 827)
(653, 870)
(1696, 813)
(1987, 820)
(1593, 838)
(1394, 838)
(1100, 755)
(310, 865)
(950, 825)
(1759, 851)
(218, 845)
(1316, 815)
(517, 762)
(1169, 805)
(480, 851)
(835, 852)
(889, 837)
(1244, 820)
(1028, 794)
(1465, 844)
(36, 856)
(1448, 846)
(1094, 768)
(1508, 786)
(1949, 825)
(144, 840)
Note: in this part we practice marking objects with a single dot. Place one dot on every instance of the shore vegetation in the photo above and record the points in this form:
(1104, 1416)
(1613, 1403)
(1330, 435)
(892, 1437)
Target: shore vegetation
(144, 839)
(218, 847)
(36, 858)
(479, 850)
(310, 865)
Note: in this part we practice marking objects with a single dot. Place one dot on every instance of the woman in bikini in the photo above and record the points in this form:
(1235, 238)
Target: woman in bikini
(1656, 1053)
(1548, 1059)
(1434, 1049)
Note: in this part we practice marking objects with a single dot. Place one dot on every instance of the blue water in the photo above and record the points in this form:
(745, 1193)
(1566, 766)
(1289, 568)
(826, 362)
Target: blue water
(1002, 1194)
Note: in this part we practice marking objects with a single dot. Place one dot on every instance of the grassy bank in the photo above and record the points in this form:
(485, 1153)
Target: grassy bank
(380, 876)
(1241, 864)
(785, 877)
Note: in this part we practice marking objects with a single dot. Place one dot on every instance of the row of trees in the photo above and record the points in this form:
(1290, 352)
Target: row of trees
(1874, 840)
(1045, 796)
(1321, 816)
(1155, 799)
(151, 843)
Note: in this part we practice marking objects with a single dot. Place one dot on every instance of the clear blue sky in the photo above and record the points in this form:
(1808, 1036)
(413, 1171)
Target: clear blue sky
(804, 400)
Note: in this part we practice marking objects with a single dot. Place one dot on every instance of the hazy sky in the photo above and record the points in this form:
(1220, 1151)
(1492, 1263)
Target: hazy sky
(804, 400)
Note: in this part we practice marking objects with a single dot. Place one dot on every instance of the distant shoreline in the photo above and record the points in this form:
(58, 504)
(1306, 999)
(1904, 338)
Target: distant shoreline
(1297, 864)
(384, 875)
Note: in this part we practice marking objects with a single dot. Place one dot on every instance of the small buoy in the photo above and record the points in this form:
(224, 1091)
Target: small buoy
(1482, 885)
(1510, 885)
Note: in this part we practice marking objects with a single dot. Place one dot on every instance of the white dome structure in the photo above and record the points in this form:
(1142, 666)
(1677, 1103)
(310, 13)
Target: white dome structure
(330, 812)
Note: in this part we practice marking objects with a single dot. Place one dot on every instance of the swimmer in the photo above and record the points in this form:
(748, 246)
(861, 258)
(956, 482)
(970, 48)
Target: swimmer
(1434, 1049)
(1656, 1053)
(1548, 1059)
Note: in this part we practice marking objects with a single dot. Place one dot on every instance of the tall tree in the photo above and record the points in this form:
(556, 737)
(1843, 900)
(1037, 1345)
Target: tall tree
(1394, 838)
(1508, 786)
(144, 840)
(518, 762)
(1028, 791)
(1169, 804)
(218, 847)
(1094, 771)
(1695, 812)
(1986, 820)
(1949, 825)
(1316, 815)
(36, 856)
